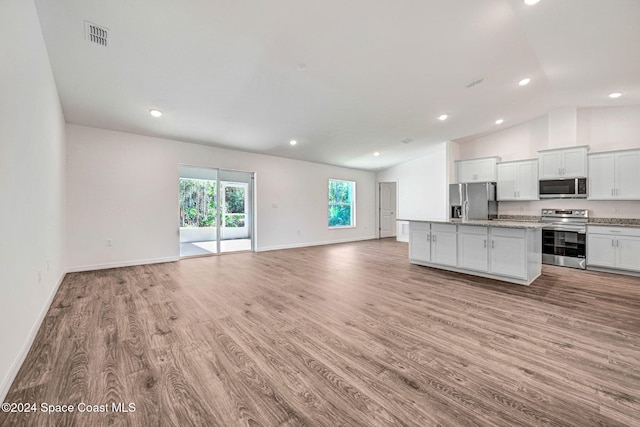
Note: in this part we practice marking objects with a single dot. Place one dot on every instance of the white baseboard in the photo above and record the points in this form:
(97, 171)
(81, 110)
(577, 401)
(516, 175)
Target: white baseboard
(17, 363)
(308, 244)
(121, 264)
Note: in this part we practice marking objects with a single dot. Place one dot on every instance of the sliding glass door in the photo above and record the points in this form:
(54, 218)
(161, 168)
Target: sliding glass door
(215, 210)
(236, 215)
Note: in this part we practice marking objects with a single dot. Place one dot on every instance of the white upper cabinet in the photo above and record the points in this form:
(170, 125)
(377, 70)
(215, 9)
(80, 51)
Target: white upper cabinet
(614, 175)
(518, 180)
(563, 163)
(477, 170)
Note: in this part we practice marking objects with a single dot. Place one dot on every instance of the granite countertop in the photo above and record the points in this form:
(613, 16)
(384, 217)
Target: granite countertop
(483, 223)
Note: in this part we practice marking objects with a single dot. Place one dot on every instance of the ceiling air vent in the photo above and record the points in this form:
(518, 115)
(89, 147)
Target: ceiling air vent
(96, 34)
(475, 82)
(406, 141)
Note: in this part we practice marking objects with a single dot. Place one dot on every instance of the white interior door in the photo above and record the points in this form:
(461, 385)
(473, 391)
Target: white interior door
(387, 209)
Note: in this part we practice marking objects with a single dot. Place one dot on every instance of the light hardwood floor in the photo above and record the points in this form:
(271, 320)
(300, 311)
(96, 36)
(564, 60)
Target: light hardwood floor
(348, 334)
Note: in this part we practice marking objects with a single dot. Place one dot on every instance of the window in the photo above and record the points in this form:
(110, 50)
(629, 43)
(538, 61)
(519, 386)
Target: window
(197, 203)
(342, 203)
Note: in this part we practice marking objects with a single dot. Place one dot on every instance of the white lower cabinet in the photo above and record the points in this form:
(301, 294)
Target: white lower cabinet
(472, 248)
(443, 244)
(616, 248)
(420, 241)
(508, 254)
(433, 243)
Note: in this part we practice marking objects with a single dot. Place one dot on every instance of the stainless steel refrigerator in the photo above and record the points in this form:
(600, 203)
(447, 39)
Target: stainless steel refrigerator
(478, 199)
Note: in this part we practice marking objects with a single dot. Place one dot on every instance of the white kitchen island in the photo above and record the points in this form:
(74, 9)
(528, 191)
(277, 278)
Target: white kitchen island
(510, 251)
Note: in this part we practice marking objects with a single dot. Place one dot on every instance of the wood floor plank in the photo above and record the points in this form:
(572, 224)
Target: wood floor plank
(348, 334)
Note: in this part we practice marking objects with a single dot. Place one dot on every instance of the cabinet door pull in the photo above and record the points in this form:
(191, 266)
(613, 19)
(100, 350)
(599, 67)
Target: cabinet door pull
(617, 243)
(433, 238)
(429, 237)
(493, 244)
(485, 243)
(612, 243)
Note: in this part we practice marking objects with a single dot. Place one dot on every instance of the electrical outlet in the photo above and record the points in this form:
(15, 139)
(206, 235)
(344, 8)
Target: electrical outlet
(109, 242)
(274, 205)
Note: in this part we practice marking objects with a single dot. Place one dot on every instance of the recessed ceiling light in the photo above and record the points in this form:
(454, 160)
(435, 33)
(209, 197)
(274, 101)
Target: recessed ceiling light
(155, 113)
(443, 117)
(377, 153)
(293, 142)
(531, 2)
(301, 67)
(524, 82)
(499, 121)
(615, 95)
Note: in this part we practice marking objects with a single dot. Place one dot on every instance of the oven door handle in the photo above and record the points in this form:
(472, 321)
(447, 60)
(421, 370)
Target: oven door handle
(579, 230)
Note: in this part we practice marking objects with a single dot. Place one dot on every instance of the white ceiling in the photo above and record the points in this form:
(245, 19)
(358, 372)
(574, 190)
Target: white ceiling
(225, 72)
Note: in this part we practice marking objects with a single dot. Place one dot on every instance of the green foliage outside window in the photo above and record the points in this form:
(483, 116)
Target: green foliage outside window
(234, 204)
(197, 203)
(341, 203)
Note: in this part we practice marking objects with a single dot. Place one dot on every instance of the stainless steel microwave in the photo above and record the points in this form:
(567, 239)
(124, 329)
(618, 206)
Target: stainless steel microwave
(567, 188)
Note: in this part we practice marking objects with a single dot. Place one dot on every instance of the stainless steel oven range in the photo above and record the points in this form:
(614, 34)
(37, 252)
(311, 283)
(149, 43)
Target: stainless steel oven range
(564, 237)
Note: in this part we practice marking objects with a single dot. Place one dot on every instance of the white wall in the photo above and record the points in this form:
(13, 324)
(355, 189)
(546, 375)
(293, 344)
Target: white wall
(422, 186)
(31, 184)
(124, 187)
(602, 129)
(515, 143)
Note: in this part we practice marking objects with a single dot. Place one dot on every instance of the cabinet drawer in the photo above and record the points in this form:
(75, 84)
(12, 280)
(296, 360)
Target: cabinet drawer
(507, 232)
(614, 231)
(472, 229)
(446, 228)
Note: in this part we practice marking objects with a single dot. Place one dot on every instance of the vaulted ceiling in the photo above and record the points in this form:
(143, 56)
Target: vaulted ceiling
(343, 78)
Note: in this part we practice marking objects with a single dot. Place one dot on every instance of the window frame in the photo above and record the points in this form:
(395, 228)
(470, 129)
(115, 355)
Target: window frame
(352, 205)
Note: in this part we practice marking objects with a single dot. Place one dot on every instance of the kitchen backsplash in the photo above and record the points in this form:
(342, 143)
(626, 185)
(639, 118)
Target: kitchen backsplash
(592, 220)
(597, 208)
